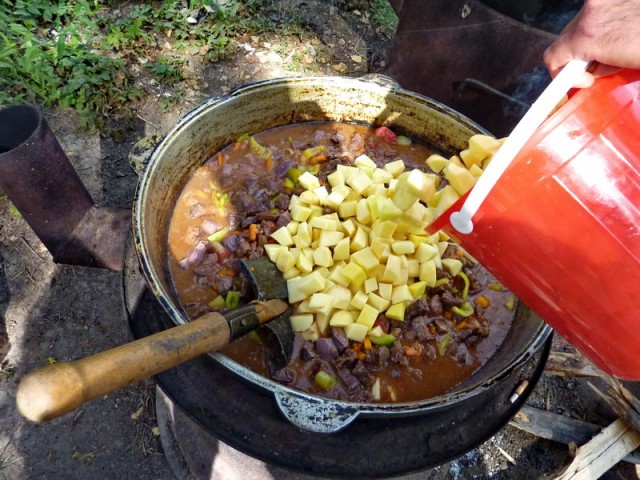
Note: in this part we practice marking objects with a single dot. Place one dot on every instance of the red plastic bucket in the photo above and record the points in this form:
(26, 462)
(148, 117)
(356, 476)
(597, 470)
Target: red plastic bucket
(561, 227)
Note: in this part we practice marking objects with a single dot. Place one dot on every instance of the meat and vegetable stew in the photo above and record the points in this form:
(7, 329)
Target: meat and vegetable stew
(383, 311)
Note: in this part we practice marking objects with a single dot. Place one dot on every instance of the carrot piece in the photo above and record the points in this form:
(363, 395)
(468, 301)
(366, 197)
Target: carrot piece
(220, 159)
(432, 329)
(361, 355)
(461, 325)
(367, 343)
(318, 159)
(357, 347)
(410, 351)
(483, 301)
(459, 253)
(253, 232)
(268, 163)
(448, 315)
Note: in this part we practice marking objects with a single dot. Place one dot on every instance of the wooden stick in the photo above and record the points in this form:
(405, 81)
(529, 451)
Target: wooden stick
(571, 365)
(606, 449)
(559, 428)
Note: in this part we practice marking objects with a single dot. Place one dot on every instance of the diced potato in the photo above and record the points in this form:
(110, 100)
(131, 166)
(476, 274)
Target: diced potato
(417, 289)
(354, 273)
(380, 249)
(336, 178)
(301, 322)
(428, 273)
(346, 171)
(413, 267)
(359, 181)
(341, 296)
(385, 290)
(312, 334)
(348, 209)
(359, 240)
(283, 236)
(452, 265)
(437, 162)
(300, 212)
(384, 229)
(335, 198)
(363, 212)
(341, 318)
(309, 181)
(322, 256)
(366, 259)
(459, 178)
(359, 300)
(292, 226)
(273, 250)
(381, 176)
(426, 252)
(396, 311)
(304, 264)
(325, 223)
(309, 197)
(364, 161)
(377, 302)
(368, 316)
(286, 261)
(349, 227)
(403, 247)
(401, 293)
(322, 321)
(370, 285)
(291, 273)
(395, 168)
(329, 238)
(321, 302)
(356, 332)
(387, 210)
(392, 271)
(322, 194)
(336, 276)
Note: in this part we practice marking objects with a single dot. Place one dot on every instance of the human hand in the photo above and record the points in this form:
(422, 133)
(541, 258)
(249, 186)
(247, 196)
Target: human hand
(604, 31)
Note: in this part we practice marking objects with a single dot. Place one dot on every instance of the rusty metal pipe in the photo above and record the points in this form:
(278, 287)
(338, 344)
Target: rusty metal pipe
(39, 179)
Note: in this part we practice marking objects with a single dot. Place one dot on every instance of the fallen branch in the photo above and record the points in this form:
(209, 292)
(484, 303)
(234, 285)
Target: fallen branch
(572, 365)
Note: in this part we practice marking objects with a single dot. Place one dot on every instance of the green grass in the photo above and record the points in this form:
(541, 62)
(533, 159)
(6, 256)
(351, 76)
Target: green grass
(91, 55)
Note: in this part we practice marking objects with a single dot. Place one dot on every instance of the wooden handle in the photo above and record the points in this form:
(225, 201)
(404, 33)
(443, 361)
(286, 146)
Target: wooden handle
(57, 389)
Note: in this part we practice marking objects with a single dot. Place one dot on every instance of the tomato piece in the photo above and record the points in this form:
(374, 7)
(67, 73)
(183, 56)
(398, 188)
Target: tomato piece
(385, 134)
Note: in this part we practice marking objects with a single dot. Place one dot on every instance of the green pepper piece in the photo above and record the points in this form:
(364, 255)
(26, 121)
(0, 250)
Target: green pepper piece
(443, 344)
(464, 310)
(233, 299)
(217, 303)
(313, 151)
(467, 283)
(288, 184)
(441, 281)
(219, 235)
(255, 337)
(325, 380)
(259, 150)
(384, 339)
(510, 303)
(294, 174)
(243, 138)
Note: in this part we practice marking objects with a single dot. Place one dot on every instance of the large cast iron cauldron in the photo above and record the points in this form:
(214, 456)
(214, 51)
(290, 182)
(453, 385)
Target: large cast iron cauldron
(274, 103)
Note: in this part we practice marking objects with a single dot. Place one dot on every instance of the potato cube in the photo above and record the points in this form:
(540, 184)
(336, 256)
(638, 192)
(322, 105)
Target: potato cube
(384, 229)
(385, 290)
(341, 318)
(364, 161)
(359, 300)
(309, 181)
(341, 250)
(426, 252)
(349, 227)
(370, 285)
(451, 265)
(366, 259)
(396, 311)
(301, 322)
(387, 210)
(356, 332)
(377, 302)
(273, 250)
(346, 171)
(336, 178)
(283, 236)
(325, 223)
(291, 273)
(459, 178)
(329, 238)
(322, 322)
(403, 247)
(428, 273)
(300, 213)
(303, 307)
(381, 176)
(380, 249)
(363, 212)
(285, 261)
(413, 267)
(359, 240)
(304, 264)
(368, 316)
(417, 289)
(395, 168)
(392, 271)
(322, 257)
(437, 162)
(321, 302)
(341, 297)
(400, 294)
(354, 273)
(359, 181)
(348, 209)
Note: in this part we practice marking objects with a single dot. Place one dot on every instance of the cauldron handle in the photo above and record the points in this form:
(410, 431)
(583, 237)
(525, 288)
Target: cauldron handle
(39, 179)
(315, 414)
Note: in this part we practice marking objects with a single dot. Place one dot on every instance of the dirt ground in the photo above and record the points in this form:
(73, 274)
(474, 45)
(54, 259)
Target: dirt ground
(52, 312)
